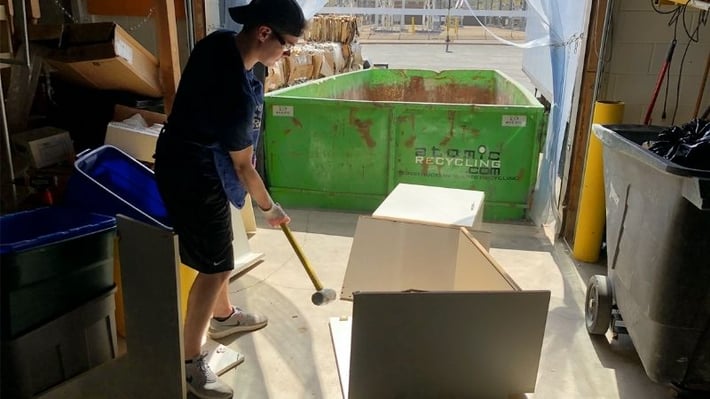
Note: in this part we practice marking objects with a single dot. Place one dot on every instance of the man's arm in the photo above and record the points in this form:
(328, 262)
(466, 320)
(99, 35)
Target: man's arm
(255, 186)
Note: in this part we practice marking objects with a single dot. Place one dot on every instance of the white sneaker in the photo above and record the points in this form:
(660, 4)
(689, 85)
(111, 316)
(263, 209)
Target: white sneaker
(203, 382)
(239, 321)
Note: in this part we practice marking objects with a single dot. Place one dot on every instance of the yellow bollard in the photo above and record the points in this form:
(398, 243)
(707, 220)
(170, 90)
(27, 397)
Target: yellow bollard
(591, 213)
(412, 29)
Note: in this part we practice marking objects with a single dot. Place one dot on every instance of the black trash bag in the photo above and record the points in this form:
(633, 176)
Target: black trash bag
(687, 145)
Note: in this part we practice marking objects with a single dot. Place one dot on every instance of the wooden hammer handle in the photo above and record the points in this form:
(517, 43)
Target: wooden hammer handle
(306, 265)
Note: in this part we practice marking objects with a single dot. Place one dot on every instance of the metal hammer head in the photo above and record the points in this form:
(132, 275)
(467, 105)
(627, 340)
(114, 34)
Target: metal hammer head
(323, 297)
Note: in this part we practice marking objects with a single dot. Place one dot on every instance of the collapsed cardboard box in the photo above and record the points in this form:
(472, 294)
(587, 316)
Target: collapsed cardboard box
(434, 314)
(299, 67)
(104, 56)
(333, 62)
(431, 305)
(276, 76)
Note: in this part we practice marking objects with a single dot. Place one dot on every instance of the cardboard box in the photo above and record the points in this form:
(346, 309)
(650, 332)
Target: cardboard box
(489, 329)
(299, 67)
(104, 56)
(44, 146)
(135, 132)
(276, 78)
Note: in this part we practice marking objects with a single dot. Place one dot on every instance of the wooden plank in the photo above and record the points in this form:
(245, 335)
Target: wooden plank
(167, 50)
(199, 19)
(11, 15)
(571, 186)
(133, 8)
(35, 11)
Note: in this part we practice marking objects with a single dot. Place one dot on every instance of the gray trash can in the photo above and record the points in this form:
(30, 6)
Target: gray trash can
(658, 280)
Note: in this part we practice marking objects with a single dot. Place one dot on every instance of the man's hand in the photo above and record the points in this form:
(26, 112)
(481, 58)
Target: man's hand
(275, 215)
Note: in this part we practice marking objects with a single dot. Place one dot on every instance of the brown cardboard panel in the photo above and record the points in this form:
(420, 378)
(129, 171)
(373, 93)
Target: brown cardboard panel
(104, 56)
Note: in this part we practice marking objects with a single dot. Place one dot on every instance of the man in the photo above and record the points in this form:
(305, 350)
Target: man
(205, 160)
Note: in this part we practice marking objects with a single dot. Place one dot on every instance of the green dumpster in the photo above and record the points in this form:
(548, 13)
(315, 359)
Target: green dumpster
(346, 141)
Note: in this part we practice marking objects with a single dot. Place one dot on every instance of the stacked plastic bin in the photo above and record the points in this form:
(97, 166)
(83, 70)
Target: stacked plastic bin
(57, 297)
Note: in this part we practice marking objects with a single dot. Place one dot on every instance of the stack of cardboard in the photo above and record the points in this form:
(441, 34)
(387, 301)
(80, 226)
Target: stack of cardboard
(332, 28)
(330, 47)
(276, 75)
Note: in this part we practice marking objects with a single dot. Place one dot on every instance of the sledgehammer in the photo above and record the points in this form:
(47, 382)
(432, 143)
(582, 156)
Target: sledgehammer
(322, 295)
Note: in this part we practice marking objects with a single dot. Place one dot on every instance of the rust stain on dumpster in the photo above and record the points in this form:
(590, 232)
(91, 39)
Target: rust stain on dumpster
(416, 90)
(363, 127)
(521, 174)
(296, 122)
(410, 142)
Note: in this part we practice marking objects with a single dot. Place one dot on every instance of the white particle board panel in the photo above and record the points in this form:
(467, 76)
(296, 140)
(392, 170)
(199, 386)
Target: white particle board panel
(439, 205)
(440, 344)
(340, 332)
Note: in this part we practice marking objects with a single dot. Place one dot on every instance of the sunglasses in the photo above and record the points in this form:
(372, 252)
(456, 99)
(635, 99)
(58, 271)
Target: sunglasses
(286, 46)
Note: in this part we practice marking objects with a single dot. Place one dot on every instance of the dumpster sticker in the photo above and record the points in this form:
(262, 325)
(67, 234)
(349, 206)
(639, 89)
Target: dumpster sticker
(478, 163)
(283, 110)
(514, 121)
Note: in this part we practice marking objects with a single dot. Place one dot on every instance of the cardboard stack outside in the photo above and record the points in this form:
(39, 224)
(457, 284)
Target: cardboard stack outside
(330, 47)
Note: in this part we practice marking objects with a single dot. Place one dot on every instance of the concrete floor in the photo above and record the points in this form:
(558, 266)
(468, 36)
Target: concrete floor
(293, 356)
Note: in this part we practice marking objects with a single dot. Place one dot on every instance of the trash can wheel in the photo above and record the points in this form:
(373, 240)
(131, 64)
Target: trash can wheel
(597, 309)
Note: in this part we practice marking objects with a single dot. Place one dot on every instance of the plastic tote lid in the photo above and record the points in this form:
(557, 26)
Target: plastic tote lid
(49, 225)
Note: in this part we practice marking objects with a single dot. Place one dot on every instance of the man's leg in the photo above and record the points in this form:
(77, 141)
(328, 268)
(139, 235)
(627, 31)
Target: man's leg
(202, 298)
(223, 306)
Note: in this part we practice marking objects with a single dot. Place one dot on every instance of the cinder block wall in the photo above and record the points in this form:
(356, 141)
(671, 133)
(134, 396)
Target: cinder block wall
(639, 41)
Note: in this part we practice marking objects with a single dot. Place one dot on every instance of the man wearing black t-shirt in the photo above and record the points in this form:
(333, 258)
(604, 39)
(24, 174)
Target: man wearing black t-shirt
(205, 159)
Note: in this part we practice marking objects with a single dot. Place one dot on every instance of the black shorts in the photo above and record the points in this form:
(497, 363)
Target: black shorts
(198, 209)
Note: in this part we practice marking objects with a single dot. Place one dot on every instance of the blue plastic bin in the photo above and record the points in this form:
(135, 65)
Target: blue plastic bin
(109, 181)
(52, 260)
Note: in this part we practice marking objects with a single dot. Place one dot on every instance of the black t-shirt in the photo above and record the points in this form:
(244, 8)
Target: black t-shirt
(216, 98)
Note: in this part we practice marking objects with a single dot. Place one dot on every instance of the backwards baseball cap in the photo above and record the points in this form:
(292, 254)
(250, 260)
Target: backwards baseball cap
(284, 16)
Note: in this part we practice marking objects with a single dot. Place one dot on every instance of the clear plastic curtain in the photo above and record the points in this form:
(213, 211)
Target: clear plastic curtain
(555, 37)
(567, 22)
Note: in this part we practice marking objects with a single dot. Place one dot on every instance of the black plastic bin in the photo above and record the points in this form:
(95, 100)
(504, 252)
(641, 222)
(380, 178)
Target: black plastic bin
(658, 237)
(52, 260)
